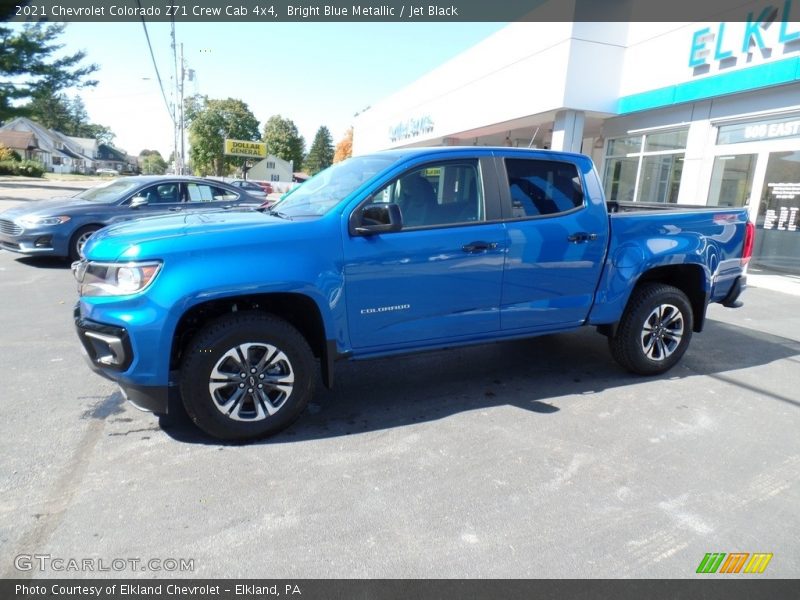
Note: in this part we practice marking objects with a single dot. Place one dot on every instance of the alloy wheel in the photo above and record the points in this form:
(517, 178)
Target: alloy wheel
(251, 382)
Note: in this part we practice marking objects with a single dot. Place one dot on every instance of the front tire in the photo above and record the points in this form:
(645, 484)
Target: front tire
(78, 241)
(246, 376)
(654, 331)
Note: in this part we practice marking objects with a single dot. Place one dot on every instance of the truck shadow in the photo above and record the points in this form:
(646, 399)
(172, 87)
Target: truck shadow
(541, 375)
(45, 262)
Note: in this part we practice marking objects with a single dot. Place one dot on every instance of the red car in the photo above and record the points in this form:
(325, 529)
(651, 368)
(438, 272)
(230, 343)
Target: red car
(264, 185)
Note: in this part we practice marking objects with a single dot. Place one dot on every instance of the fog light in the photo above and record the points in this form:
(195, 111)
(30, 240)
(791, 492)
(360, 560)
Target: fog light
(45, 241)
(108, 348)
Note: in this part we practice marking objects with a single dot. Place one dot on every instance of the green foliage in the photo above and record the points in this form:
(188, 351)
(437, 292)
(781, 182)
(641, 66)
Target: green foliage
(101, 133)
(152, 163)
(210, 123)
(31, 64)
(66, 115)
(8, 154)
(321, 154)
(284, 141)
(28, 168)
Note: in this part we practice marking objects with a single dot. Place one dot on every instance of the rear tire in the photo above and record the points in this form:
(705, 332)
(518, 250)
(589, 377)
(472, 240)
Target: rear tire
(246, 375)
(654, 331)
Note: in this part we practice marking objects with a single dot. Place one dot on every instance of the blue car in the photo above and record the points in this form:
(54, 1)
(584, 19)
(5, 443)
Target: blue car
(61, 226)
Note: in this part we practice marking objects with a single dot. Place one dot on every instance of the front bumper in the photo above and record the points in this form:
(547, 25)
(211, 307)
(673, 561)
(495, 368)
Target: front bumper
(42, 239)
(42, 244)
(109, 352)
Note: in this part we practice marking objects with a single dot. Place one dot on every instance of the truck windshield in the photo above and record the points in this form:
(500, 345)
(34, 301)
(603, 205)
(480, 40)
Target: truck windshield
(327, 188)
(108, 192)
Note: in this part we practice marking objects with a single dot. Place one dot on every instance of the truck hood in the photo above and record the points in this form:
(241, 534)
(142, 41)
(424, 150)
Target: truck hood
(156, 237)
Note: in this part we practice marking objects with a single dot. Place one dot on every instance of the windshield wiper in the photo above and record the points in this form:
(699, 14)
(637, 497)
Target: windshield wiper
(279, 214)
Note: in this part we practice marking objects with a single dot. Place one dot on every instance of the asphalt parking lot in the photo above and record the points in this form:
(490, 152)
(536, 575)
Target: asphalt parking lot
(536, 458)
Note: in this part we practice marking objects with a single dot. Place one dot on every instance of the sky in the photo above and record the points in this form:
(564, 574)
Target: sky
(313, 73)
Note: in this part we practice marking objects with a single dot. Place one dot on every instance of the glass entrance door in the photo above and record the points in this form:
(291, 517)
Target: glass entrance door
(777, 244)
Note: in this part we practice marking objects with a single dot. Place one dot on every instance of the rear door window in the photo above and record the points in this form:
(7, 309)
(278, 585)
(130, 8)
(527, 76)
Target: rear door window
(201, 192)
(542, 187)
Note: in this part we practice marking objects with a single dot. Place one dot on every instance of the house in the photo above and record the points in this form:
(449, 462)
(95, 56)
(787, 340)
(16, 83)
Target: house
(272, 169)
(57, 152)
(21, 142)
(109, 157)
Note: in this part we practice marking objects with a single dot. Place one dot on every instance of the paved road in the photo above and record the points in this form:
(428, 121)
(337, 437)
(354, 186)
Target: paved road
(15, 190)
(536, 458)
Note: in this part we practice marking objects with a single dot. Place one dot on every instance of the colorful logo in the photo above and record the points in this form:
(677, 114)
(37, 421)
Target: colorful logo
(736, 562)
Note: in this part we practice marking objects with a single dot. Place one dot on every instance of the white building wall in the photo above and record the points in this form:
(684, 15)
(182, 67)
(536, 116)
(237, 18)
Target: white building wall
(659, 54)
(281, 172)
(524, 69)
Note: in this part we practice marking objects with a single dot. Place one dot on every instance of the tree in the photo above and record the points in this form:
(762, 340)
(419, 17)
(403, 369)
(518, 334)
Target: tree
(344, 149)
(210, 123)
(66, 115)
(284, 141)
(321, 154)
(28, 66)
(152, 163)
(52, 111)
(101, 133)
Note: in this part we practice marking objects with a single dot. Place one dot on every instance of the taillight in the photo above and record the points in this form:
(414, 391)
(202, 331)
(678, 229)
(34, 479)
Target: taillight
(749, 240)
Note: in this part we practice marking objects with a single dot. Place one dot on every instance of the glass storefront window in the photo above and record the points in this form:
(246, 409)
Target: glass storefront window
(660, 178)
(649, 175)
(670, 140)
(778, 237)
(731, 180)
(620, 178)
(751, 131)
(624, 146)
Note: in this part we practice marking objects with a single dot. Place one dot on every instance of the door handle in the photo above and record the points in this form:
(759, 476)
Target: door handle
(176, 208)
(476, 247)
(581, 237)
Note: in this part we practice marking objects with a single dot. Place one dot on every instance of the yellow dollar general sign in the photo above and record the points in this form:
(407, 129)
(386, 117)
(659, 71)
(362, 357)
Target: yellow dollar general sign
(245, 148)
(713, 562)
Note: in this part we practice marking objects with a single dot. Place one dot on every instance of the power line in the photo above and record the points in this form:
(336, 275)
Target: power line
(155, 66)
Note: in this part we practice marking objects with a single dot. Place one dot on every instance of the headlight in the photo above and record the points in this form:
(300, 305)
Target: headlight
(34, 221)
(114, 279)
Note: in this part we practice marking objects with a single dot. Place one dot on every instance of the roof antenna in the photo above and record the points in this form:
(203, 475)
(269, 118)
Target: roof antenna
(535, 133)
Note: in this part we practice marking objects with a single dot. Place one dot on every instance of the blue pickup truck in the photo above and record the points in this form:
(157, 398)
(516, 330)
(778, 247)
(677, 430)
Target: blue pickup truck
(396, 252)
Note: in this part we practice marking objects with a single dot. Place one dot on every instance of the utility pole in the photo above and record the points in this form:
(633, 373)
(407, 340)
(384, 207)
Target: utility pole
(181, 126)
(176, 110)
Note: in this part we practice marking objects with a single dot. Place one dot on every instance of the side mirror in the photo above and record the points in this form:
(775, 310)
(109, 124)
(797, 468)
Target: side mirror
(377, 218)
(138, 201)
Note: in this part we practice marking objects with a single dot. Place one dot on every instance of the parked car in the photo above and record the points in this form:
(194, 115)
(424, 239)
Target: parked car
(250, 187)
(107, 172)
(61, 226)
(402, 251)
(266, 186)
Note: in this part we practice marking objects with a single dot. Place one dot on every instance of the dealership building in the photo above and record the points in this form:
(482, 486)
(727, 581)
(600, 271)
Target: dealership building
(686, 113)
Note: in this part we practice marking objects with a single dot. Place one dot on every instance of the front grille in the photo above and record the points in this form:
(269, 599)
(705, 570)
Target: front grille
(9, 227)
